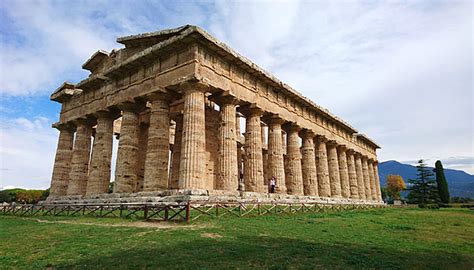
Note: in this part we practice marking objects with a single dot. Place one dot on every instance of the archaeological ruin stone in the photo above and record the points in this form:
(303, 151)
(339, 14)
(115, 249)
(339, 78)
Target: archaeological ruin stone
(174, 100)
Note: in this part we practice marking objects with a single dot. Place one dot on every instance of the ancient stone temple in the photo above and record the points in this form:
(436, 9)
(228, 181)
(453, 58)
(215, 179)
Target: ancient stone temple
(196, 120)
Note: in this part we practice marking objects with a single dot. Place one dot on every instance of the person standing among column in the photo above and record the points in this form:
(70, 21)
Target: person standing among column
(228, 168)
(343, 171)
(62, 161)
(99, 175)
(334, 176)
(308, 163)
(192, 163)
(80, 158)
(324, 187)
(253, 160)
(276, 164)
(127, 154)
(158, 145)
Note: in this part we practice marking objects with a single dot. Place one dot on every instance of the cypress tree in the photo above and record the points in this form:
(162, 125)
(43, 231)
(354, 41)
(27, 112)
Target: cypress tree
(441, 182)
(423, 189)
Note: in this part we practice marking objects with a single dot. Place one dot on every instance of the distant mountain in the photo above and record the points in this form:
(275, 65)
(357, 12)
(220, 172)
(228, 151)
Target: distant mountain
(460, 183)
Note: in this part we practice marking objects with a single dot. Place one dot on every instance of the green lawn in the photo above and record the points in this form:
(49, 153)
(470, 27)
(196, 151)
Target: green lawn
(378, 239)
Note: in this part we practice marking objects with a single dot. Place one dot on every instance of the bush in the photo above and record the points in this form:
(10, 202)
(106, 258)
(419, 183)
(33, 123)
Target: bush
(444, 205)
(428, 205)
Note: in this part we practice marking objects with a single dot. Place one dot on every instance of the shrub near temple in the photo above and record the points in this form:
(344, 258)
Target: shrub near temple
(395, 184)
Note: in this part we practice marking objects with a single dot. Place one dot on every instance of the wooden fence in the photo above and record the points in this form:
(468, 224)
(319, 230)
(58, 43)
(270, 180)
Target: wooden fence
(186, 212)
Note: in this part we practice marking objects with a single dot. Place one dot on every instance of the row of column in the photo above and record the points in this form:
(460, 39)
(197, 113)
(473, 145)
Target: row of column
(317, 168)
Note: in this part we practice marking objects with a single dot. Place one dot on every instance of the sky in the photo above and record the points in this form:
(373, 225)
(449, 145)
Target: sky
(399, 71)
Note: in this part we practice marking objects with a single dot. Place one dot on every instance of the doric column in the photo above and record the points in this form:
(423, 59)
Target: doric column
(373, 187)
(227, 178)
(80, 158)
(377, 180)
(308, 163)
(142, 150)
(62, 161)
(294, 174)
(253, 161)
(192, 163)
(99, 172)
(127, 154)
(351, 167)
(176, 155)
(324, 187)
(360, 176)
(158, 145)
(343, 172)
(365, 174)
(334, 170)
(276, 164)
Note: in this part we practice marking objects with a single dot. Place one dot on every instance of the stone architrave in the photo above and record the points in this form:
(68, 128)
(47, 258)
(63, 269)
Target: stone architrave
(308, 163)
(80, 158)
(324, 187)
(276, 163)
(157, 155)
(343, 172)
(294, 174)
(227, 160)
(127, 155)
(365, 174)
(193, 143)
(253, 160)
(99, 172)
(360, 176)
(351, 167)
(335, 180)
(377, 181)
(62, 161)
(176, 155)
(373, 188)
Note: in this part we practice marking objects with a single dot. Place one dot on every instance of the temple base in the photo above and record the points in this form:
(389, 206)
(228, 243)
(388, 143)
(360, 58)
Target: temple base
(199, 195)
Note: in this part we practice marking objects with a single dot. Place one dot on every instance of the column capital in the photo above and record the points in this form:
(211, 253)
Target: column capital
(307, 133)
(321, 138)
(159, 95)
(291, 126)
(342, 147)
(82, 121)
(131, 105)
(194, 85)
(351, 151)
(64, 126)
(273, 119)
(105, 114)
(250, 109)
(332, 143)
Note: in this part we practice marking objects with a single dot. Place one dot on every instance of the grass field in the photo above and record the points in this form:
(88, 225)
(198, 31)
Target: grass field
(379, 238)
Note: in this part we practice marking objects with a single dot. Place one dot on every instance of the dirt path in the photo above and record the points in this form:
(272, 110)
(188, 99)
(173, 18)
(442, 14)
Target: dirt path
(136, 224)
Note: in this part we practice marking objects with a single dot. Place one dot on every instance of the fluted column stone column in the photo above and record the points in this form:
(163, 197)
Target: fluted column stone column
(80, 158)
(176, 155)
(126, 172)
(373, 187)
(334, 176)
(294, 174)
(377, 180)
(99, 172)
(365, 174)
(253, 161)
(158, 144)
(308, 163)
(227, 178)
(360, 176)
(62, 161)
(192, 163)
(276, 163)
(322, 168)
(343, 172)
(351, 168)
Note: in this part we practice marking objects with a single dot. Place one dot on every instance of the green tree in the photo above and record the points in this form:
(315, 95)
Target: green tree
(441, 182)
(423, 189)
